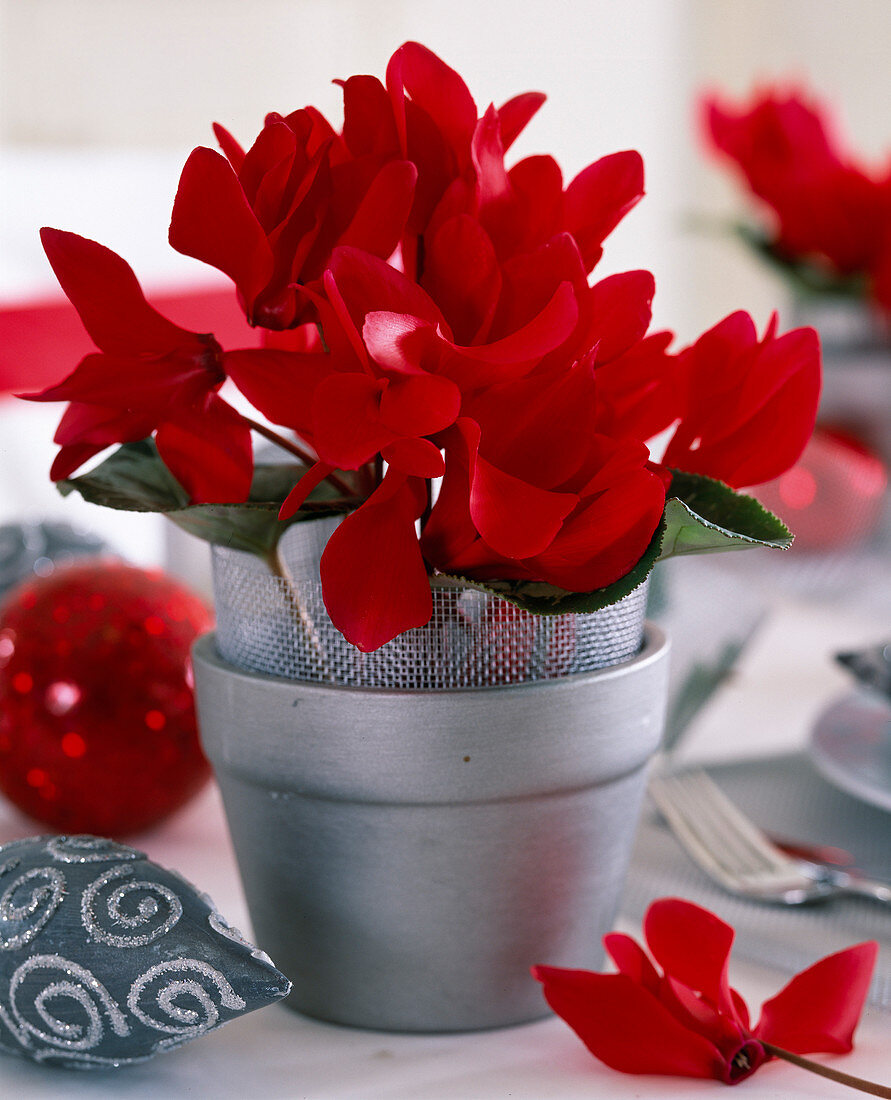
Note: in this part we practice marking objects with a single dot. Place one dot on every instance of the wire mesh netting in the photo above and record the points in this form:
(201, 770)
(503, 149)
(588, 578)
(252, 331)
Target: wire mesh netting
(279, 626)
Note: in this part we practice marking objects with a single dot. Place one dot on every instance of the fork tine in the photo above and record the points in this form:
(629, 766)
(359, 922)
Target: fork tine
(763, 852)
(721, 839)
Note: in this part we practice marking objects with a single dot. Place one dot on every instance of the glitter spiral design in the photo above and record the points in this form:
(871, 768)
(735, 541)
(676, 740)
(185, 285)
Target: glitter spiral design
(180, 997)
(147, 909)
(70, 1008)
(89, 849)
(28, 903)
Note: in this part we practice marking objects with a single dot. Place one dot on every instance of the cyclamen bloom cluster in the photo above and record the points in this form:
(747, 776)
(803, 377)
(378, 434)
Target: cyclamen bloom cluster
(428, 316)
(688, 1021)
(829, 210)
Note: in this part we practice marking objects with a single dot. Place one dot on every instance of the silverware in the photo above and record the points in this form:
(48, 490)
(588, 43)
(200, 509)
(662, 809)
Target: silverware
(733, 851)
(872, 667)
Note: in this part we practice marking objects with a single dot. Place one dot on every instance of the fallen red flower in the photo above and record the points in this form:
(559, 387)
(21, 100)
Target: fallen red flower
(687, 1021)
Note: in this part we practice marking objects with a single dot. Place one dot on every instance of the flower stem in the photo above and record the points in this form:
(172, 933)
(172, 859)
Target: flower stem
(826, 1071)
(305, 457)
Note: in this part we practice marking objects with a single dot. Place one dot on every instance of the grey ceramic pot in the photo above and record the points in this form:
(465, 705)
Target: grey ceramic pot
(408, 855)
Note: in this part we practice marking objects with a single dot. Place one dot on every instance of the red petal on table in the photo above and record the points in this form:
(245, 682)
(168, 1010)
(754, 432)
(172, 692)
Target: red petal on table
(515, 518)
(232, 151)
(820, 1007)
(106, 294)
(213, 222)
(599, 197)
(625, 1026)
(280, 384)
(419, 404)
(374, 581)
(516, 114)
(208, 450)
(631, 960)
(347, 427)
(692, 946)
(621, 310)
(461, 274)
(295, 499)
(417, 457)
(380, 219)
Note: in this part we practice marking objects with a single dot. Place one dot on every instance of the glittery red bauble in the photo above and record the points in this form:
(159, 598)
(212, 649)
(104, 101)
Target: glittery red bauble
(97, 714)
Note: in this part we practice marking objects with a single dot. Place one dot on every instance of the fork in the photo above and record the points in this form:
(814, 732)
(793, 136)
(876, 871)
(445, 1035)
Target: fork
(733, 851)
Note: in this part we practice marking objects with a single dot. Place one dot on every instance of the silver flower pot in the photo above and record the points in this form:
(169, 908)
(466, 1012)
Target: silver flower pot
(407, 855)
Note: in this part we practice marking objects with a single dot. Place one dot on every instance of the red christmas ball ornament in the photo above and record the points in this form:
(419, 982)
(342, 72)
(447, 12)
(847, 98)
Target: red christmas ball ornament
(97, 713)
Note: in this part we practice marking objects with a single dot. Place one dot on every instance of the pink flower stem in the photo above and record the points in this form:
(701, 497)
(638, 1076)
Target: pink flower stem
(825, 1071)
(305, 457)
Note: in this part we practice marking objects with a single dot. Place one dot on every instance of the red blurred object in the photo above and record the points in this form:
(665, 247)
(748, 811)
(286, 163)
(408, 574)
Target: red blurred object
(97, 715)
(833, 497)
(37, 336)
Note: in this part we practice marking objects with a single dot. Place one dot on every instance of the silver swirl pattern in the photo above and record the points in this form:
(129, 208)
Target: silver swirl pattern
(28, 903)
(89, 849)
(134, 913)
(182, 995)
(70, 1010)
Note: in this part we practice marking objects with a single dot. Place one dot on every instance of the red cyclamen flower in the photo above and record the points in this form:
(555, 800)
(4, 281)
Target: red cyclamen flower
(149, 374)
(747, 407)
(687, 1021)
(827, 206)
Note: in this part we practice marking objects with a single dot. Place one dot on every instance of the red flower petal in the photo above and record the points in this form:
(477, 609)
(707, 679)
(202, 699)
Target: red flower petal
(436, 89)
(380, 217)
(515, 518)
(620, 309)
(207, 448)
(692, 946)
(374, 580)
(599, 197)
(213, 222)
(369, 128)
(231, 149)
(280, 384)
(516, 114)
(417, 457)
(347, 426)
(314, 476)
(625, 1026)
(108, 298)
(461, 274)
(419, 404)
(632, 961)
(818, 1010)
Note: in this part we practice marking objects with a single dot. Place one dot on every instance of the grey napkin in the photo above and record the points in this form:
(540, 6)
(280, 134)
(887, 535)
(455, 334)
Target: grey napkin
(788, 798)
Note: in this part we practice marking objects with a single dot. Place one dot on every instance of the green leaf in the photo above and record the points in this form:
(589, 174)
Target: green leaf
(135, 479)
(703, 515)
(809, 277)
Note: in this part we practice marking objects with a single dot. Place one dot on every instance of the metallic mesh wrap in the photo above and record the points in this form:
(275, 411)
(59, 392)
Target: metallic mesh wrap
(280, 627)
